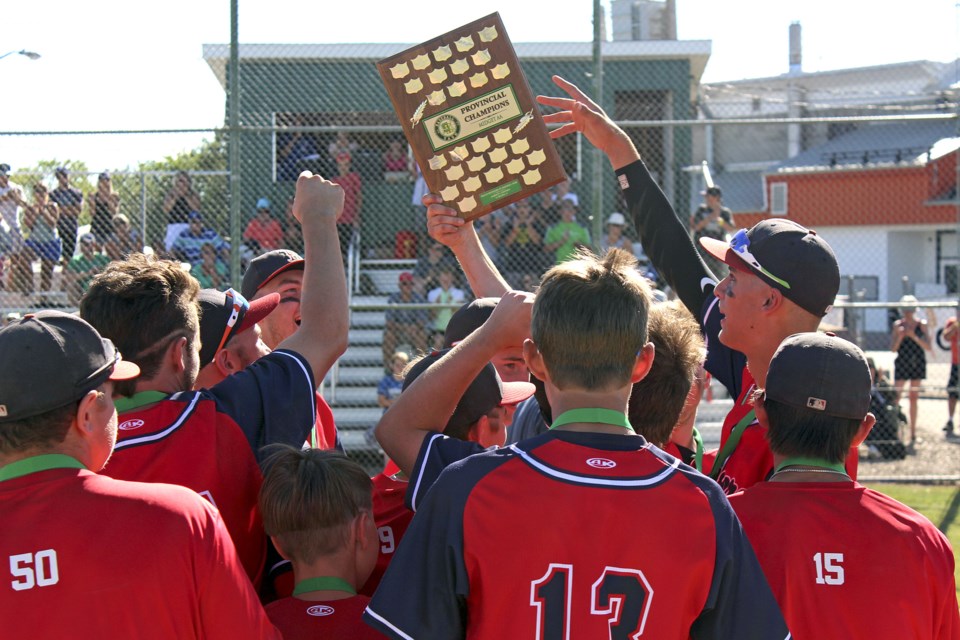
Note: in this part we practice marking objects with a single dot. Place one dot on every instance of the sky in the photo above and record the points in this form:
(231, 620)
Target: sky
(117, 64)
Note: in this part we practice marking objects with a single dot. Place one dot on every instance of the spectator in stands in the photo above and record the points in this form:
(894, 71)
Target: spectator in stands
(561, 192)
(350, 181)
(104, 204)
(179, 202)
(428, 268)
(293, 148)
(544, 208)
(490, 228)
(42, 239)
(11, 237)
(187, 247)
(405, 326)
(81, 269)
(70, 201)
(210, 272)
(396, 163)
(523, 243)
(614, 236)
(391, 383)
(444, 293)
(566, 236)
(123, 239)
(342, 144)
(712, 220)
(263, 233)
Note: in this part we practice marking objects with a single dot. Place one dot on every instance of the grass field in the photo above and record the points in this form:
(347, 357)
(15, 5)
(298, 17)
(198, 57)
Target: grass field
(940, 503)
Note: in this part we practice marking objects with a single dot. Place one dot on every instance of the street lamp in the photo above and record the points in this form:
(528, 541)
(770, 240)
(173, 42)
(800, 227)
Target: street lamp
(33, 55)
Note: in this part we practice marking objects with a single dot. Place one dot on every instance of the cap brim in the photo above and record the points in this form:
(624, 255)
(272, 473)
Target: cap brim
(259, 309)
(721, 251)
(290, 266)
(514, 392)
(124, 370)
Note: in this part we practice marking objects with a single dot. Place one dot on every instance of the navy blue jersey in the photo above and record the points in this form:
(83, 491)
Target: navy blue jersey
(604, 514)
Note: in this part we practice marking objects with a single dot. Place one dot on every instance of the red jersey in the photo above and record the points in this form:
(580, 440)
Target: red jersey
(845, 561)
(324, 434)
(454, 577)
(94, 557)
(392, 518)
(314, 620)
(205, 440)
(351, 197)
(269, 236)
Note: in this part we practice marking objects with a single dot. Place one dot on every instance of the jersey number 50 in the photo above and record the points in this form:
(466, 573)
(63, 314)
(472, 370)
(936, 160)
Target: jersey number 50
(34, 570)
(623, 595)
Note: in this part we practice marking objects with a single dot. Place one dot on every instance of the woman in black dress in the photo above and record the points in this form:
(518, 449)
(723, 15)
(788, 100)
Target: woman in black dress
(911, 339)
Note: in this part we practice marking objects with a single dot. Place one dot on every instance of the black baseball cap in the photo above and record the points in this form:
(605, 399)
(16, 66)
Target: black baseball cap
(486, 392)
(712, 191)
(821, 372)
(62, 171)
(266, 267)
(4, 169)
(224, 314)
(787, 256)
(468, 319)
(51, 359)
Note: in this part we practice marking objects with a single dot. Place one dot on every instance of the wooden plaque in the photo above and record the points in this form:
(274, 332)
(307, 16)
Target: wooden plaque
(471, 118)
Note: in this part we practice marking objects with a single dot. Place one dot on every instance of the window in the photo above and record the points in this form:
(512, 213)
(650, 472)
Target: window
(778, 198)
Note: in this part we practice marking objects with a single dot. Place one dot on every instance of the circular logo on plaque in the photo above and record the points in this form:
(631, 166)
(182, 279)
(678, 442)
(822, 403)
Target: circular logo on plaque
(447, 127)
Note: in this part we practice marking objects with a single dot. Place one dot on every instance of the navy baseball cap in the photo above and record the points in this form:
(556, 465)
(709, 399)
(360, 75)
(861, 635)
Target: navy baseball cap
(266, 267)
(62, 171)
(224, 314)
(468, 319)
(4, 169)
(486, 392)
(60, 356)
(788, 257)
(821, 372)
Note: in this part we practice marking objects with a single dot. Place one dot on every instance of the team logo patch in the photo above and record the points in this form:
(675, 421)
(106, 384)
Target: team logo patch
(447, 127)
(130, 425)
(601, 463)
(320, 610)
(816, 403)
(624, 183)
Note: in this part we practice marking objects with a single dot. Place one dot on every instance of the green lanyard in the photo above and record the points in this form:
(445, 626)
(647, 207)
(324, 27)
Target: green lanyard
(38, 463)
(811, 462)
(324, 583)
(596, 416)
(697, 450)
(732, 443)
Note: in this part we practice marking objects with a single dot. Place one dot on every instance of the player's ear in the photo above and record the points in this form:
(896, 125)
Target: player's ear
(774, 300)
(477, 429)
(865, 427)
(85, 422)
(641, 367)
(758, 408)
(361, 529)
(225, 362)
(177, 352)
(534, 359)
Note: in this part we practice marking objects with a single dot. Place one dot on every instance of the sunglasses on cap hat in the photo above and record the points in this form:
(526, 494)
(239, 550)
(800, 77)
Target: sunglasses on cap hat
(740, 243)
(239, 304)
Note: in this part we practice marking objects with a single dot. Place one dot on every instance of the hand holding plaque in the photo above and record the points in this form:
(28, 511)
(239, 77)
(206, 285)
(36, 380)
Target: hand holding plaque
(471, 119)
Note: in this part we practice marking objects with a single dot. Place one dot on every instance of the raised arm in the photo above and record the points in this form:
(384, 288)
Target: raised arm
(322, 335)
(427, 404)
(449, 229)
(664, 237)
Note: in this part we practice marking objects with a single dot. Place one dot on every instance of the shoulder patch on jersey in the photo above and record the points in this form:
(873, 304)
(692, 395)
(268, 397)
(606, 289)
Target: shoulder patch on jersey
(320, 610)
(624, 183)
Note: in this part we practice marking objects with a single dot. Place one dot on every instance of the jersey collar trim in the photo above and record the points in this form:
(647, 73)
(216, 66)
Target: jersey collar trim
(36, 464)
(138, 400)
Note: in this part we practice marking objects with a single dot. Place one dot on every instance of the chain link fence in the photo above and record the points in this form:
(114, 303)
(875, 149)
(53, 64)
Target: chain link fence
(867, 156)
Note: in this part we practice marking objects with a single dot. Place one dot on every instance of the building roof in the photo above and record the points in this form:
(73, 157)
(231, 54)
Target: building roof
(697, 51)
(885, 144)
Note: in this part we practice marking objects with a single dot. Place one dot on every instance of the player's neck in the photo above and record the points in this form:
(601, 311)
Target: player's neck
(614, 401)
(319, 574)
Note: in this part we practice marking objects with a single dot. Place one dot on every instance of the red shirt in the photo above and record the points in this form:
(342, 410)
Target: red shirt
(324, 433)
(269, 236)
(311, 619)
(845, 561)
(94, 557)
(351, 197)
(392, 518)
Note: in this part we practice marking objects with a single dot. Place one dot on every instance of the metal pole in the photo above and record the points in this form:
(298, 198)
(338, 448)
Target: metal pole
(233, 142)
(597, 204)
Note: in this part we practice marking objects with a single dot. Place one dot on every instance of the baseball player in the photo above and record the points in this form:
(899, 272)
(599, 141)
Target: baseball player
(86, 555)
(209, 440)
(281, 272)
(588, 476)
(783, 279)
(229, 336)
(317, 510)
(844, 561)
